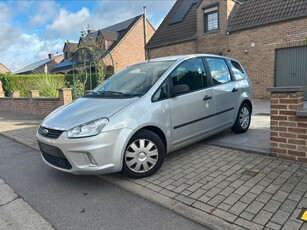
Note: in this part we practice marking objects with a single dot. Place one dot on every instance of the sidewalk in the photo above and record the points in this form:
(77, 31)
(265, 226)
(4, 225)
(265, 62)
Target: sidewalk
(219, 187)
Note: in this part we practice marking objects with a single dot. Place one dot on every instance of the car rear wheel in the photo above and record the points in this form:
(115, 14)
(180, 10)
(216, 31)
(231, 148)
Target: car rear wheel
(144, 155)
(243, 119)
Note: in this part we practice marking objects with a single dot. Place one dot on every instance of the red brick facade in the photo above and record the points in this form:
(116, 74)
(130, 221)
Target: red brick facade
(34, 104)
(131, 49)
(254, 47)
(288, 127)
(4, 69)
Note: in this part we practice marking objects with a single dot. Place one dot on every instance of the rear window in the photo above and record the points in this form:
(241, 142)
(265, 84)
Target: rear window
(219, 70)
(237, 70)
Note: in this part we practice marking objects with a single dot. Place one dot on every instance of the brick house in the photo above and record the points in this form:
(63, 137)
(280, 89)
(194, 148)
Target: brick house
(4, 69)
(269, 38)
(124, 40)
(44, 66)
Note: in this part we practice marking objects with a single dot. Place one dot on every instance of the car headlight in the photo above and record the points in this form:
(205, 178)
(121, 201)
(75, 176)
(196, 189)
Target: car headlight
(88, 129)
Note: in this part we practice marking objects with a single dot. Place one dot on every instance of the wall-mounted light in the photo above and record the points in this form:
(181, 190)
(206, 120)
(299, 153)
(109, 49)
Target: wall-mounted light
(246, 51)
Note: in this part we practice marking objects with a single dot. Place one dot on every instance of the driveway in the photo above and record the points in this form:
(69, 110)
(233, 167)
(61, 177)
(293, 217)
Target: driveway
(256, 139)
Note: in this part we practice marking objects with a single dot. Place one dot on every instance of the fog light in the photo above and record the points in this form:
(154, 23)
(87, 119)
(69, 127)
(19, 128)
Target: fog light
(92, 160)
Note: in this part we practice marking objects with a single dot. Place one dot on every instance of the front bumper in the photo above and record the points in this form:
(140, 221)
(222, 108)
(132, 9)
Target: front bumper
(99, 154)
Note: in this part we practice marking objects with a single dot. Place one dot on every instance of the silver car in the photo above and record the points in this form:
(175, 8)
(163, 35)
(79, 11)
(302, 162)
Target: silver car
(131, 121)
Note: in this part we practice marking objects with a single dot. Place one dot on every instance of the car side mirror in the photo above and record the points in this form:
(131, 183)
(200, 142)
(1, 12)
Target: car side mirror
(179, 89)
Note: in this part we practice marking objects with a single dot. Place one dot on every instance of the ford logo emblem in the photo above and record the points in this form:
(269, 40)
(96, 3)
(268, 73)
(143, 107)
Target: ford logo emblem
(45, 131)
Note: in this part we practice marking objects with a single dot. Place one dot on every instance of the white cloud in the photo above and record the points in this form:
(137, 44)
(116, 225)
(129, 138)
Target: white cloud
(5, 15)
(8, 36)
(30, 48)
(68, 23)
(44, 10)
(110, 12)
(50, 25)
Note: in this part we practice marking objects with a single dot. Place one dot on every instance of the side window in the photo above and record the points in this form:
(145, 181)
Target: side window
(162, 92)
(237, 70)
(219, 70)
(190, 73)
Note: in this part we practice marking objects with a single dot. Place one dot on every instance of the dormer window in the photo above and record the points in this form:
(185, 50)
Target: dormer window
(211, 18)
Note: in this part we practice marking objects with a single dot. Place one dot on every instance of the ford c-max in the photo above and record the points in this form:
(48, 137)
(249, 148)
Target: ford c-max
(132, 120)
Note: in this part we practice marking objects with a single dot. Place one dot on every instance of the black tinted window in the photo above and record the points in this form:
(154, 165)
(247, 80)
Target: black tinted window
(237, 70)
(219, 71)
(190, 73)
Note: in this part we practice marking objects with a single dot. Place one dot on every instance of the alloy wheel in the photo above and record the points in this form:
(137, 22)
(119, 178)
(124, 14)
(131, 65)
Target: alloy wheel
(244, 118)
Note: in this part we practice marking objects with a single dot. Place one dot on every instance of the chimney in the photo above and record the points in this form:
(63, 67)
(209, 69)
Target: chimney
(51, 56)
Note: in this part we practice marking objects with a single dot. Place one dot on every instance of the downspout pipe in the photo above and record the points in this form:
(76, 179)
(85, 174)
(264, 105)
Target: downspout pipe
(145, 30)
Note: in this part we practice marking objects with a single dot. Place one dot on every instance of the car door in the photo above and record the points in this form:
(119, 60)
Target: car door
(225, 90)
(191, 111)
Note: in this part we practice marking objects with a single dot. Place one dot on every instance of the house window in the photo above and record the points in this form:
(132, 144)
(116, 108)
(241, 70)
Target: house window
(211, 17)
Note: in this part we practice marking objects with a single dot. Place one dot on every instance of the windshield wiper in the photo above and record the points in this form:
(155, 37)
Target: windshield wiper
(110, 93)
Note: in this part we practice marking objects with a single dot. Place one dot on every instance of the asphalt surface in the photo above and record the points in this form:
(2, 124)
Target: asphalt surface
(79, 202)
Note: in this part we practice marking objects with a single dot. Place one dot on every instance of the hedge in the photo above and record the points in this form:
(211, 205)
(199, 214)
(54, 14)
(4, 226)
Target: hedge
(47, 84)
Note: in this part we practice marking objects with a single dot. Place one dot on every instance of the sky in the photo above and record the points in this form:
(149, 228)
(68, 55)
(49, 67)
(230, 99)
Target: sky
(30, 30)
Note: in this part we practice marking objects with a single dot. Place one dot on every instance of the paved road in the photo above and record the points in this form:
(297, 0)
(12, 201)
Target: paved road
(79, 202)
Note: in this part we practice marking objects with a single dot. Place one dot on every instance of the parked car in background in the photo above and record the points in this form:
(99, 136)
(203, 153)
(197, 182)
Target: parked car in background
(131, 121)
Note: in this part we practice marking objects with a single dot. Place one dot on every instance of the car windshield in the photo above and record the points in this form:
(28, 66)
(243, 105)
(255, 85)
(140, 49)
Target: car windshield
(135, 80)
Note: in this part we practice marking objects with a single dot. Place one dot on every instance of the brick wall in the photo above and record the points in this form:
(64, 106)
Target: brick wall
(3, 69)
(188, 47)
(131, 49)
(288, 123)
(34, 104)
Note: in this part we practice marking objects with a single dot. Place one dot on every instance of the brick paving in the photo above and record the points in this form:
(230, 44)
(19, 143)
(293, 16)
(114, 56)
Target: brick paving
(248, 190)
(242, 189)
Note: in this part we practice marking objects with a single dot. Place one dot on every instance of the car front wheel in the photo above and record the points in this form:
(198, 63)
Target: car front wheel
(243, 119)
(144, 155)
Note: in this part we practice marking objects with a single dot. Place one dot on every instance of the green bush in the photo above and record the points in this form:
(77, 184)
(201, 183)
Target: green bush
(46, 84)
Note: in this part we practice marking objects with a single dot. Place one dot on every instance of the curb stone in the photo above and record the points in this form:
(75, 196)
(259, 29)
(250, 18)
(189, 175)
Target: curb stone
(15, 213)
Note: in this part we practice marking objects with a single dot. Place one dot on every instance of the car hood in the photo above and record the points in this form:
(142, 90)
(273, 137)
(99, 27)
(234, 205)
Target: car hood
(85, 110)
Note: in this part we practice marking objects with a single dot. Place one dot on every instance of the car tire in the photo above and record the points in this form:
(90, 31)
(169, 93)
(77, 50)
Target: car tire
(243, 119)
(144, 155)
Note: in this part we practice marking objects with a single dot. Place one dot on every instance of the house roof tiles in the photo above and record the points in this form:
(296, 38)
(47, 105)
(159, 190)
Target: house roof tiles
(251, 13)
(35, 65)
(115, 32)
(71, 46)
(169, 32)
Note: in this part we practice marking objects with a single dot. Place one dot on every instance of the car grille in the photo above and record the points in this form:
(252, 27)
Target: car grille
(54, 156)
(51, 133)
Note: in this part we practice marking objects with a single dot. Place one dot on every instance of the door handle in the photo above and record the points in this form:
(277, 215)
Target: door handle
(234, 90)
(207, 97)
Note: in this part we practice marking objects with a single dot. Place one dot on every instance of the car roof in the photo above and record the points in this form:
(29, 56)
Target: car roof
(181, 57)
